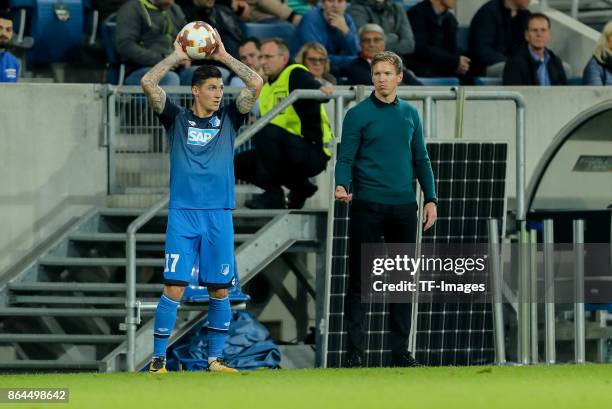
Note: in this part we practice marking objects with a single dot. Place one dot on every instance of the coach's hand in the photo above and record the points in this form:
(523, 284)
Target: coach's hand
(342, 195)
(430, 214)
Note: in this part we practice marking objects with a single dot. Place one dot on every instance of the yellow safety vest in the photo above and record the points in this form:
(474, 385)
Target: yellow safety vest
(272, 94)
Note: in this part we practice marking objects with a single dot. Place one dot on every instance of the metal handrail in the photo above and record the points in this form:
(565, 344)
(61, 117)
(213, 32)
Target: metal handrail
(132, 313)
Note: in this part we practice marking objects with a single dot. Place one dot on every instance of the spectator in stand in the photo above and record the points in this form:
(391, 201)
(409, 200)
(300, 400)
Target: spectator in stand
(9, 64)
(372, 40)
(221, 17)
(146, 30)
(391, 16)
(302, 6)
(258, 11)
(534, 64)
(435, 34)
(314, 57)
(599, 69)
(250, 55)
(497, 32)
(332, 27)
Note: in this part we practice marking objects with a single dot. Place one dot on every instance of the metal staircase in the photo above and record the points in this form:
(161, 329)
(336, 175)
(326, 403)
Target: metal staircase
(66, 310)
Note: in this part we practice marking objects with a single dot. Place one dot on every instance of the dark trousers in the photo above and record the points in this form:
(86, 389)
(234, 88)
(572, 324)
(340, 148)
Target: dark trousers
(280, 158)
(376, 223)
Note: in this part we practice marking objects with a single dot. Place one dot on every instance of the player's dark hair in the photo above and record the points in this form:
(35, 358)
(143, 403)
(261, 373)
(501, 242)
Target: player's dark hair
(203, 73)
(5, 15)
(253, 40)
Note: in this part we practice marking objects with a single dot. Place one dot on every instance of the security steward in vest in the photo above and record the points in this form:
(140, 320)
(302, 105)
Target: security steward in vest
(294, 146)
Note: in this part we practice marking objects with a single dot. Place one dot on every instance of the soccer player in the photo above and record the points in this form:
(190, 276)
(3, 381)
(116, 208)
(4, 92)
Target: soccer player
(202, 196)
(381, 152)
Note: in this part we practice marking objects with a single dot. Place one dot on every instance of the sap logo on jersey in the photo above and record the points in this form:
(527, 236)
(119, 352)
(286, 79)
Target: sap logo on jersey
(200, 137)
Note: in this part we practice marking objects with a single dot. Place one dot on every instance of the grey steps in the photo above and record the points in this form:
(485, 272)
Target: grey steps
(62, 338)
(62, 312)
(85, 287)
(38, 364)
(98, 261)
(84, 312)
(140, 237)
(241, 212)
(79, 300)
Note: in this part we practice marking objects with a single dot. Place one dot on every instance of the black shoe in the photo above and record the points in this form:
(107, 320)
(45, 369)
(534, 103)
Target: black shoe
(270, 199)
(404, 359)
(298, 198)
(353, 360)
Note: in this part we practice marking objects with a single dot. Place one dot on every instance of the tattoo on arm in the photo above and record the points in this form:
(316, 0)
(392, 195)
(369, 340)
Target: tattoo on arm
(150, 82)
(248, 96)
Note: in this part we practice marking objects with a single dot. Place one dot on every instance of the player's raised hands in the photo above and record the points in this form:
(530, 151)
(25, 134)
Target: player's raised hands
(220, 54)
(178, 50)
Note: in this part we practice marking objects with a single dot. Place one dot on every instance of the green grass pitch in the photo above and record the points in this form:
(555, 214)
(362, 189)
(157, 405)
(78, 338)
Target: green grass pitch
(542, 387)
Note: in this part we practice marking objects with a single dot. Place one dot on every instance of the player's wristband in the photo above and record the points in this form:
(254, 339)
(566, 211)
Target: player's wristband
(432, 200)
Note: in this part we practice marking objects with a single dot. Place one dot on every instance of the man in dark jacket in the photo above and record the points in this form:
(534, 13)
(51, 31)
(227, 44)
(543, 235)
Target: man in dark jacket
(372, 41)
(146, 30)
(535, 64)
(435, 35)
(496, 33)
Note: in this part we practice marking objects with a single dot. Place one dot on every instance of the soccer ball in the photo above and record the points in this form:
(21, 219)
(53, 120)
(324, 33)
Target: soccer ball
(198, 40)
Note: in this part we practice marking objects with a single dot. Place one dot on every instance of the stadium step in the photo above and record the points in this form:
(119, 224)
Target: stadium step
(62, 338)
(84, 312)
(39, 365)
(89, 300)
(140, 238)
(98, 262)
(84, 287)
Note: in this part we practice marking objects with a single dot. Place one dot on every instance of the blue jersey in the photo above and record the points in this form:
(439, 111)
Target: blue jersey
(9, 67)
(201, 156)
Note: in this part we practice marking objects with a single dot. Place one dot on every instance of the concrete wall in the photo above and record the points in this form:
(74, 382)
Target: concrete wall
(52, 165)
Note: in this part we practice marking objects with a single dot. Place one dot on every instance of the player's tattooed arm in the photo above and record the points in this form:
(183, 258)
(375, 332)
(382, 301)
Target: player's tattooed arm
(248, 96)
(150, 82)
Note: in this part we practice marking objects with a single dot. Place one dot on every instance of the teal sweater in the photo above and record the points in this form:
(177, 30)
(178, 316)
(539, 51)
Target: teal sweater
(381, 151)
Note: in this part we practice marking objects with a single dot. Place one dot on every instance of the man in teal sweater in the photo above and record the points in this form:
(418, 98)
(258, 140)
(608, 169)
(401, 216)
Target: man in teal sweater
(381, 152)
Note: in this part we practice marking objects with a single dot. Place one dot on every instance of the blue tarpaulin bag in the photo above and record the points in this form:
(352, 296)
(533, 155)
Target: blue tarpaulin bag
(249, 346)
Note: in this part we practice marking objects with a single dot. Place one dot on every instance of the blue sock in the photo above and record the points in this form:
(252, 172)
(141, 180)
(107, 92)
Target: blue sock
(219, 316)
(165, 318)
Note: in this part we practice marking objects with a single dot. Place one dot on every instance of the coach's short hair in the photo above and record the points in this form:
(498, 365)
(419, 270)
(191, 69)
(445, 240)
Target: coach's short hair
(203, 73)
(390, 57)
(280, 43)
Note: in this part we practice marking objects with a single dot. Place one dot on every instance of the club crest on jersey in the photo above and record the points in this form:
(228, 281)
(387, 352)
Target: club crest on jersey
(215, 122)
(200, 137)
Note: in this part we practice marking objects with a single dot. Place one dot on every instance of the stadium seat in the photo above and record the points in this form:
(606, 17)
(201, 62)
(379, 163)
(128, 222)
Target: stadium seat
(574, 80)
(487, 81)
(439, 81)
(56, 28)
(116, 70)
(463, 39)
(273, 28)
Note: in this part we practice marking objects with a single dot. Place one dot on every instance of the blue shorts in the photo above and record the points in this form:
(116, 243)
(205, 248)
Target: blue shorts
(199, 240)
